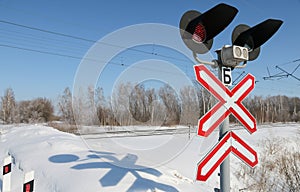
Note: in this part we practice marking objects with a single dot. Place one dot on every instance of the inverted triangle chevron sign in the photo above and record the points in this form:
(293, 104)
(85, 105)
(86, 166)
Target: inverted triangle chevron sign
(230, 143)
(230, 101)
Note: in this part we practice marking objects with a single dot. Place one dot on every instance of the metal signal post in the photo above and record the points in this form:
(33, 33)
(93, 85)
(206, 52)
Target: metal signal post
(225, 166)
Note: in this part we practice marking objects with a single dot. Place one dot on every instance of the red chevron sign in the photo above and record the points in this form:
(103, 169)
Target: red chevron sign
(230, 143)
(230, 101)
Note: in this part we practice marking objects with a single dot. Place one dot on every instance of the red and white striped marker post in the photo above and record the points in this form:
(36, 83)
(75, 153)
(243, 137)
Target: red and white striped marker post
(28, 182)
(6, 183)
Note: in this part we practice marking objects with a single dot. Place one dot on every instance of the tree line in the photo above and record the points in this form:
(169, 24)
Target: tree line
(28, 111)
(139, 105)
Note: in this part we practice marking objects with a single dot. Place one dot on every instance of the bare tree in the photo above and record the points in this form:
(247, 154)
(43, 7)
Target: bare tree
(172, 104)
(294, 106)
(103, 109)
(190, 106)
(140, 103)
(120, 104)
(8, 106)
(23, 112)
(35, 111)
(42, 110)
(87, 108)
(65, 106)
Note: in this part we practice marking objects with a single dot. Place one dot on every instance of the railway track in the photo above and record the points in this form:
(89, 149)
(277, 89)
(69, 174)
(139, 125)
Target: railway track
(155, 132)
(138, 133)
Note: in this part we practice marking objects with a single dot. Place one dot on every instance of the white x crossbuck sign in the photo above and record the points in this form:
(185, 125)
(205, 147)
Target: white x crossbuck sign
(230, 101)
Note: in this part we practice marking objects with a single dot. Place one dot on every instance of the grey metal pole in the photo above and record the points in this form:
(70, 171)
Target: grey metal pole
(225, 166)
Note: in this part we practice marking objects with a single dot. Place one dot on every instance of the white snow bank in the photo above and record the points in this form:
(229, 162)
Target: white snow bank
(64, 162)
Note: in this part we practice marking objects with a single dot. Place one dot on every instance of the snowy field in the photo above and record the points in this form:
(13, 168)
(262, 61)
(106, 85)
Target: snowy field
(69, 163)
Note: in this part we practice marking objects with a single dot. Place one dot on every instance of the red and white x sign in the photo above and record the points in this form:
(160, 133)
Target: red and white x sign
(230, 101)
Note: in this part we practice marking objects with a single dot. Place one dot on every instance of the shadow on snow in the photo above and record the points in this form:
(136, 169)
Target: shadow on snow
(118, 170)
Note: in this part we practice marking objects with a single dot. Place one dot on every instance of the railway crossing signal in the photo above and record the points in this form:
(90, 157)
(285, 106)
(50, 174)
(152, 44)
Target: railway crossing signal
(197, 32)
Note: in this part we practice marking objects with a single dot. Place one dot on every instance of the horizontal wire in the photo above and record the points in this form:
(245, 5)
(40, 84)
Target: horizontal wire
(81, 58)
(89, 40)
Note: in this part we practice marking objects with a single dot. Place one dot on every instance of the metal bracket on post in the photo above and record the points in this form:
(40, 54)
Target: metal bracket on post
(241, 66)
(213, 63)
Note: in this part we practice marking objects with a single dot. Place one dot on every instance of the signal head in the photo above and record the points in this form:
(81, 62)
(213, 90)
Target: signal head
(254, 37)
(198, 30)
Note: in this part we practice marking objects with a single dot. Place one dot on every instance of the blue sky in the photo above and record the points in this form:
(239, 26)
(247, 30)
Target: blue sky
(32, 74)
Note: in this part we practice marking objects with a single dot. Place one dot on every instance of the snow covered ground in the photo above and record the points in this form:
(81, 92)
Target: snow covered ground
(64, 162)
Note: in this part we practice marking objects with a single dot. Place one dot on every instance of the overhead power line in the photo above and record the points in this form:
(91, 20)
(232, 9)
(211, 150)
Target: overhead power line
(41, 39)
(290, 74)
(47, 31)
(90, 40)
(58, 53)
(284, 73)
(90, 59)
(12, 45)
(39, 51)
